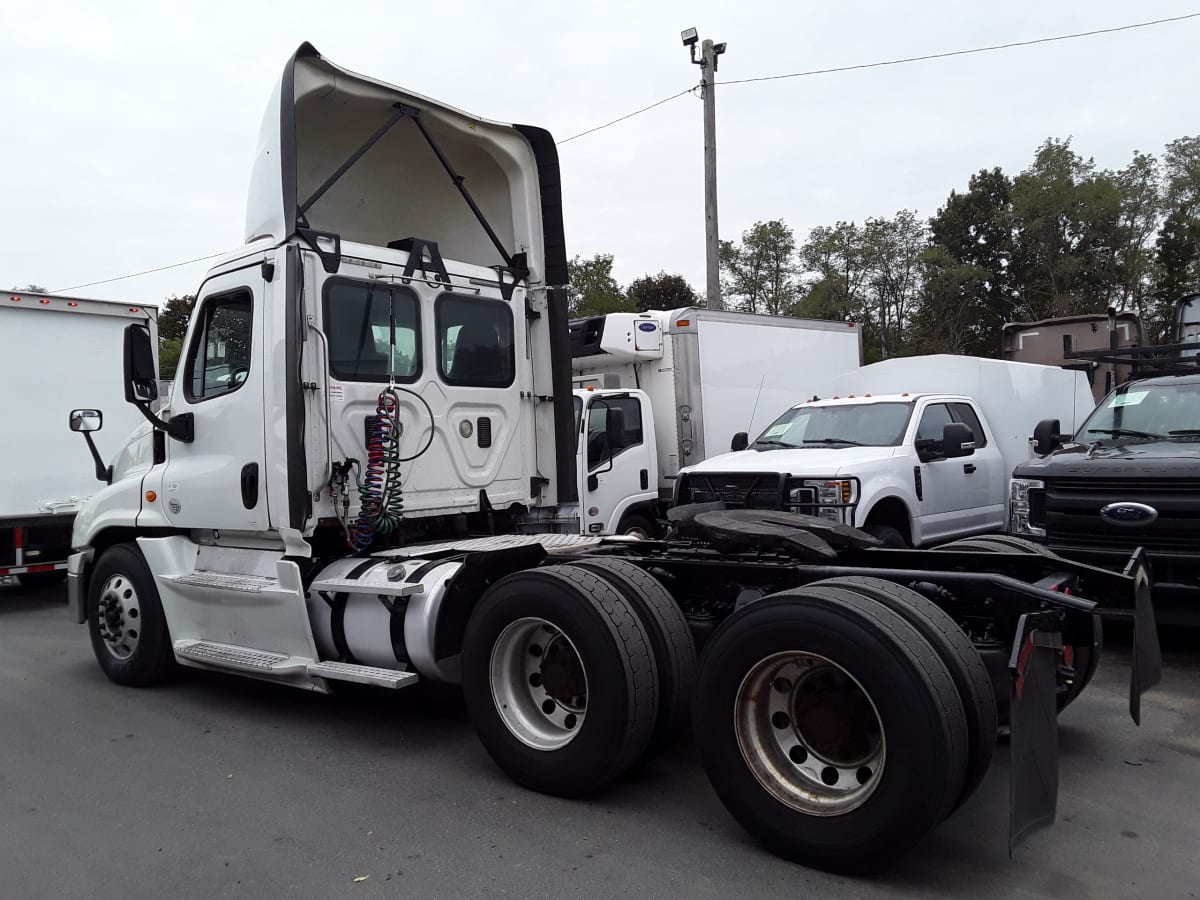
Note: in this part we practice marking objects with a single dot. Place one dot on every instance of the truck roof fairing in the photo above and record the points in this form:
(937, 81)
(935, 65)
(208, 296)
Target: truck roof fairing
(320, 115)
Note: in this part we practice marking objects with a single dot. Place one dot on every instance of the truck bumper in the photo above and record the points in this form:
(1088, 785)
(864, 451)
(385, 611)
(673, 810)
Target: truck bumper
(77, 566)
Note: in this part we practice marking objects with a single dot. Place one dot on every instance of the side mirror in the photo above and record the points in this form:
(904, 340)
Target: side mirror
(615, 426)
(141, 379)
(86, 420)
(1046, 438)
(740, 441)
(957, 440)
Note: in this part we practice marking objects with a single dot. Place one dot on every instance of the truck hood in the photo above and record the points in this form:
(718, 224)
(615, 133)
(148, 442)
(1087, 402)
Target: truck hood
(817, 461)
(1116, 459)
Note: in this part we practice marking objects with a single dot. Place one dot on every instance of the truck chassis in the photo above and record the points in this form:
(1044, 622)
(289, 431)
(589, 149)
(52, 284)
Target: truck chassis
(848, 698)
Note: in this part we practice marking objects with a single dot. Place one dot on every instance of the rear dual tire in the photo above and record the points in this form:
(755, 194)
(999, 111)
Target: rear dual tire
(830, 728)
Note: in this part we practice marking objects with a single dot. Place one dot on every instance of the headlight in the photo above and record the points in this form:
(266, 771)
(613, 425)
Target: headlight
(832, 492)
(1021, 506)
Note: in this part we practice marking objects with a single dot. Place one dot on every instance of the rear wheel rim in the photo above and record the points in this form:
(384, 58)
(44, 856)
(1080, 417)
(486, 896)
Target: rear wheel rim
(810, 733)
(539, 683)
(119, 617)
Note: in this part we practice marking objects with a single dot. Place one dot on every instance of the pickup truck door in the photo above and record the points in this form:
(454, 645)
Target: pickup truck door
(614, 476)
(963, 495)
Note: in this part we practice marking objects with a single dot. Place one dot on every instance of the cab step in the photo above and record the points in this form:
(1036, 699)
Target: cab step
(354, 586)
(264, 662)
(247, 584)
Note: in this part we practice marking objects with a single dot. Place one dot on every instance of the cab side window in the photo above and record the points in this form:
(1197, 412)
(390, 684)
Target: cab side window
(963, 413)
(629, 412)
(219, 357)
(933, 420)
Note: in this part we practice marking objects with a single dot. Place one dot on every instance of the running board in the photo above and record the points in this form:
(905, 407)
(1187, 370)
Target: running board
(246, 584)
(264, 662)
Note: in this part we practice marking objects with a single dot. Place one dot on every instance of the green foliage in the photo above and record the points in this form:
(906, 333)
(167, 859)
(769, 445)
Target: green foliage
(593, 291)
(661, 291)
(168, 357)
(174, 316)
(758, 275)
(34, 288)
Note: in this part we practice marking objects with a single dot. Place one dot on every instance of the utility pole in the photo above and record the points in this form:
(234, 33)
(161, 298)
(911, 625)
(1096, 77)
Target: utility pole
(709, 52)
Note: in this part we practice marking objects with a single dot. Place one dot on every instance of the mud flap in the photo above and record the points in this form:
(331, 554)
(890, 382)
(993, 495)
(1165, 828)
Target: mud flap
(1033, 719)
(1146, 671)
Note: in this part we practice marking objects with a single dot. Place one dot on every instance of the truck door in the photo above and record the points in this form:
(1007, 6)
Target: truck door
(960, 495)
(218, 480)
(616, 456)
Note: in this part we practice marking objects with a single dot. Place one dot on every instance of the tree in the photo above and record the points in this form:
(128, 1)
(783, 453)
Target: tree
(661, 291)
(35, 288)
(168, 357)
(174, 317)
(759, 274)
(593, 291)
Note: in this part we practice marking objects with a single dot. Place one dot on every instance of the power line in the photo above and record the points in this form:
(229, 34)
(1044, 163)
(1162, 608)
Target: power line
(636, 112)
(872, 65)
(187, 262)
(949, 53)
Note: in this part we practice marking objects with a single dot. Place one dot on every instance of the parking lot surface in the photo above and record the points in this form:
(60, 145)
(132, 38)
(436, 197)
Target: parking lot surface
(213, 786)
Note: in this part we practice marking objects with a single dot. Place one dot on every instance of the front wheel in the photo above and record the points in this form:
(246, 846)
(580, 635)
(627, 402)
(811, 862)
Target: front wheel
(638, 526)
(890, 536)
(125, 619)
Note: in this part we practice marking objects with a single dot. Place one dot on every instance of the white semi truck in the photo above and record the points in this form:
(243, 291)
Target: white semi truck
(374, 393)
(683, 382)
(55, 353)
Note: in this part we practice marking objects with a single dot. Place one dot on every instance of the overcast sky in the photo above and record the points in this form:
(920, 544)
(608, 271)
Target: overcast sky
(130, 127)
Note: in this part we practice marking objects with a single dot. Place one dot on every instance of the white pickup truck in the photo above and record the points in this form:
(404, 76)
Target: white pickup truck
(912, 467)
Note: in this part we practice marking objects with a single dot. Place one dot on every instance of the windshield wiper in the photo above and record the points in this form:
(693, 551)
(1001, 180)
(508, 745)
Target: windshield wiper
(771, 442)
(832, 441)
(1184, 431)
(1118, 432)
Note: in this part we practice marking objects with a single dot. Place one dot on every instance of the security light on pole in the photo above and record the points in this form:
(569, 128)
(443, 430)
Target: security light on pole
(709, 54)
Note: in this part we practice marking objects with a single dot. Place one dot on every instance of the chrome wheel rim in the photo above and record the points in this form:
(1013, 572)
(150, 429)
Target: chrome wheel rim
(119, 616)
(539, 683)
(810, 733)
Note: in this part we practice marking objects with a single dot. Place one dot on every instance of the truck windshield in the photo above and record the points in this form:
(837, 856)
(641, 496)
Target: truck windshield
(1146, 411)
(862, 424)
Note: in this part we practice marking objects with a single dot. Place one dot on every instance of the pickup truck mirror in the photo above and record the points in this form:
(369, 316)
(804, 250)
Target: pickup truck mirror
(740, 441)
(141, 381)
(957, 440)
(1046, 438)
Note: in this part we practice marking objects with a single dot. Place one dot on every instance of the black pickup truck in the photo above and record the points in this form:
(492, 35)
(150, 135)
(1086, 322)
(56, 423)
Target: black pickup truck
(1129, 477)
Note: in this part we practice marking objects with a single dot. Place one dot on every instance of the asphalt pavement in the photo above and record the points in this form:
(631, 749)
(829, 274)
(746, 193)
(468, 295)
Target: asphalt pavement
(214, 786)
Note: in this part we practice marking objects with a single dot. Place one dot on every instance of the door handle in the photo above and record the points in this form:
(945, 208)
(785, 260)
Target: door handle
(969, 468)
(250, 485)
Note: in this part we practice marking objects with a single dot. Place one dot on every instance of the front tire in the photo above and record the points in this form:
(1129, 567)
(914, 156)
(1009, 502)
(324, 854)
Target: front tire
(638, 526)
(125, 619)
(830, 729)
(559, 679)
(891, 537)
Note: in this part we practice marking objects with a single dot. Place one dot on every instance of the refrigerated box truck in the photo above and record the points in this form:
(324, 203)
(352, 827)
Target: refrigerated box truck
(55, 354)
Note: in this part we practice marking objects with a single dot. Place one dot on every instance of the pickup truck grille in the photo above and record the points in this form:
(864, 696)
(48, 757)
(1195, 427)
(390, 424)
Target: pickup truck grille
(738, 490)
(1069, 510)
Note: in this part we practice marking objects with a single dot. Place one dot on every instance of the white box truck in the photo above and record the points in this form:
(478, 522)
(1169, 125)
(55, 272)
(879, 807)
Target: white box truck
(683, 383)
(914, 450)
(55, 354)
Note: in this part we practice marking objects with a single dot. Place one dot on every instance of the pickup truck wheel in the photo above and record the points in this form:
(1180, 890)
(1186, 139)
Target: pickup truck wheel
(638, 526)
(1083, 658)
(559, 679)
(890, 536)
(670, 641)
(830, 729)
(962, 660)
(125, 619)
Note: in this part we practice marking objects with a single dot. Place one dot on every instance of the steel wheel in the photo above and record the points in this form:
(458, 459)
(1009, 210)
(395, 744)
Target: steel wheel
(119, 616)
(809, 733)
(538, 683)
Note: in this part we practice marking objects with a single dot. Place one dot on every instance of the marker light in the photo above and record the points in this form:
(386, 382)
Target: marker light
(72, 303)
(44, 302)
(151, 496)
